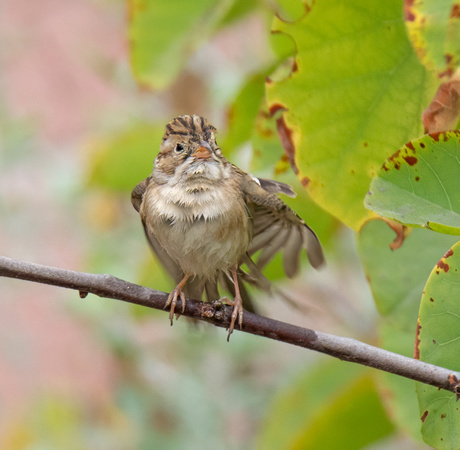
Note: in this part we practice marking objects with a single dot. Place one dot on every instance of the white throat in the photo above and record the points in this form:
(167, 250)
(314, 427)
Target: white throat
(195, 192)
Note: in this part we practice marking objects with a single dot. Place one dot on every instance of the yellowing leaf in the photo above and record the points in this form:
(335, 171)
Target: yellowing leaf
(357, 92)
(434, 29)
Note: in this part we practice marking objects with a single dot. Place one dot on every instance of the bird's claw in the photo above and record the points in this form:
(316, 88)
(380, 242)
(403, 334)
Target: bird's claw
(237, 313)
(172, 300)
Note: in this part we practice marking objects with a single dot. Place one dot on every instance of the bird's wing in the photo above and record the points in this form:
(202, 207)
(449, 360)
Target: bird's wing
(138, 193)
(168, 263)
(277, 227)
(275, 187)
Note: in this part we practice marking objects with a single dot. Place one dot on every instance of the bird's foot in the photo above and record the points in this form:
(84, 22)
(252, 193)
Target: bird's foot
(237, 313)
(172, 300)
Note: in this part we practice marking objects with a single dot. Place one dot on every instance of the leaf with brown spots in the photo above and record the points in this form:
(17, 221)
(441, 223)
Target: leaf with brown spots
(357, 91)
(440, 345)
(442, 265)
(285, 134)
(269, 160)
(424, 416)
(397, 278)
(419, 184)
(433, 28)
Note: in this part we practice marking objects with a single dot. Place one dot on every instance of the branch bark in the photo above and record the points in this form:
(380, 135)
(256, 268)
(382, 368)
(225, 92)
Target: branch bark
(219, 315)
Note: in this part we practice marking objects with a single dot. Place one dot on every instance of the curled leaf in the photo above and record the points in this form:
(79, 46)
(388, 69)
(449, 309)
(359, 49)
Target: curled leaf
(443, 113)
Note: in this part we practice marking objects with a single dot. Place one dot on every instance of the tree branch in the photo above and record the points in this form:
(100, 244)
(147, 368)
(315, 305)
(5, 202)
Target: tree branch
(218, 314)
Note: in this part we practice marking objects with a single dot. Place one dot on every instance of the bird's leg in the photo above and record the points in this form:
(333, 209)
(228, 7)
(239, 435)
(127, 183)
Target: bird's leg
(237, 304)
(172, 298)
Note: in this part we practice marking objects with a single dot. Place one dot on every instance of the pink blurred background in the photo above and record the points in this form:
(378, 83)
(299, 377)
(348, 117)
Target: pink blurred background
(84, 371)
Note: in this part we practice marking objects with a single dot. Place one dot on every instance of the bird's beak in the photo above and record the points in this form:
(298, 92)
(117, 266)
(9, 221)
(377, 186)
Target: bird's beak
(203, 151)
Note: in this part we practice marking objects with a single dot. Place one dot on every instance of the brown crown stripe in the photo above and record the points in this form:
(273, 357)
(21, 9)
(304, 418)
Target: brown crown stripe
(195, 126)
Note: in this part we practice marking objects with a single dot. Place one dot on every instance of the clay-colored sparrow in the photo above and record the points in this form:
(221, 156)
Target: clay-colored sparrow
(204, 217)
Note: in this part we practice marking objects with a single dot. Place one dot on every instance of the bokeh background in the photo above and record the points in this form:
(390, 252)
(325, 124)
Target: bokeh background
(76, 134)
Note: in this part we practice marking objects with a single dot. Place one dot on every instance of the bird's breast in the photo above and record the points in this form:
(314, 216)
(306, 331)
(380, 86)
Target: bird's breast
(202, 229)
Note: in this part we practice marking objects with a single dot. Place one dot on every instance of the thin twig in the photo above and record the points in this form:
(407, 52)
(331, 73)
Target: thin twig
(218, 314)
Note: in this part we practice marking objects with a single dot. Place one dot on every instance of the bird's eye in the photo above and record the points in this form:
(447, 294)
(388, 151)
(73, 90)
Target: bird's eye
(179, 148)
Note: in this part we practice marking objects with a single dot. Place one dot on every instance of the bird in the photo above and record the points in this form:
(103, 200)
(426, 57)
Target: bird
(205, 218)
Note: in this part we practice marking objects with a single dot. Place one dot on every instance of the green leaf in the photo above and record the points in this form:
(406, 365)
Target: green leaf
(397, 278)
(397, 391)
(238, 9)
(433, 27)
(164, 33)
(419, 185)
(357, 92)
(440, 345)
(326, 409)
(154, 275)
(243, 112)
(291, 10)
(122, 161)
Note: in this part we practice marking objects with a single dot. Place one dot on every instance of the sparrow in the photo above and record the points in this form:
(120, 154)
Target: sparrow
(204, 218)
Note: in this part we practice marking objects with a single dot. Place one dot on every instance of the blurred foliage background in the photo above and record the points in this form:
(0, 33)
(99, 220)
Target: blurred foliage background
(86, 89)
